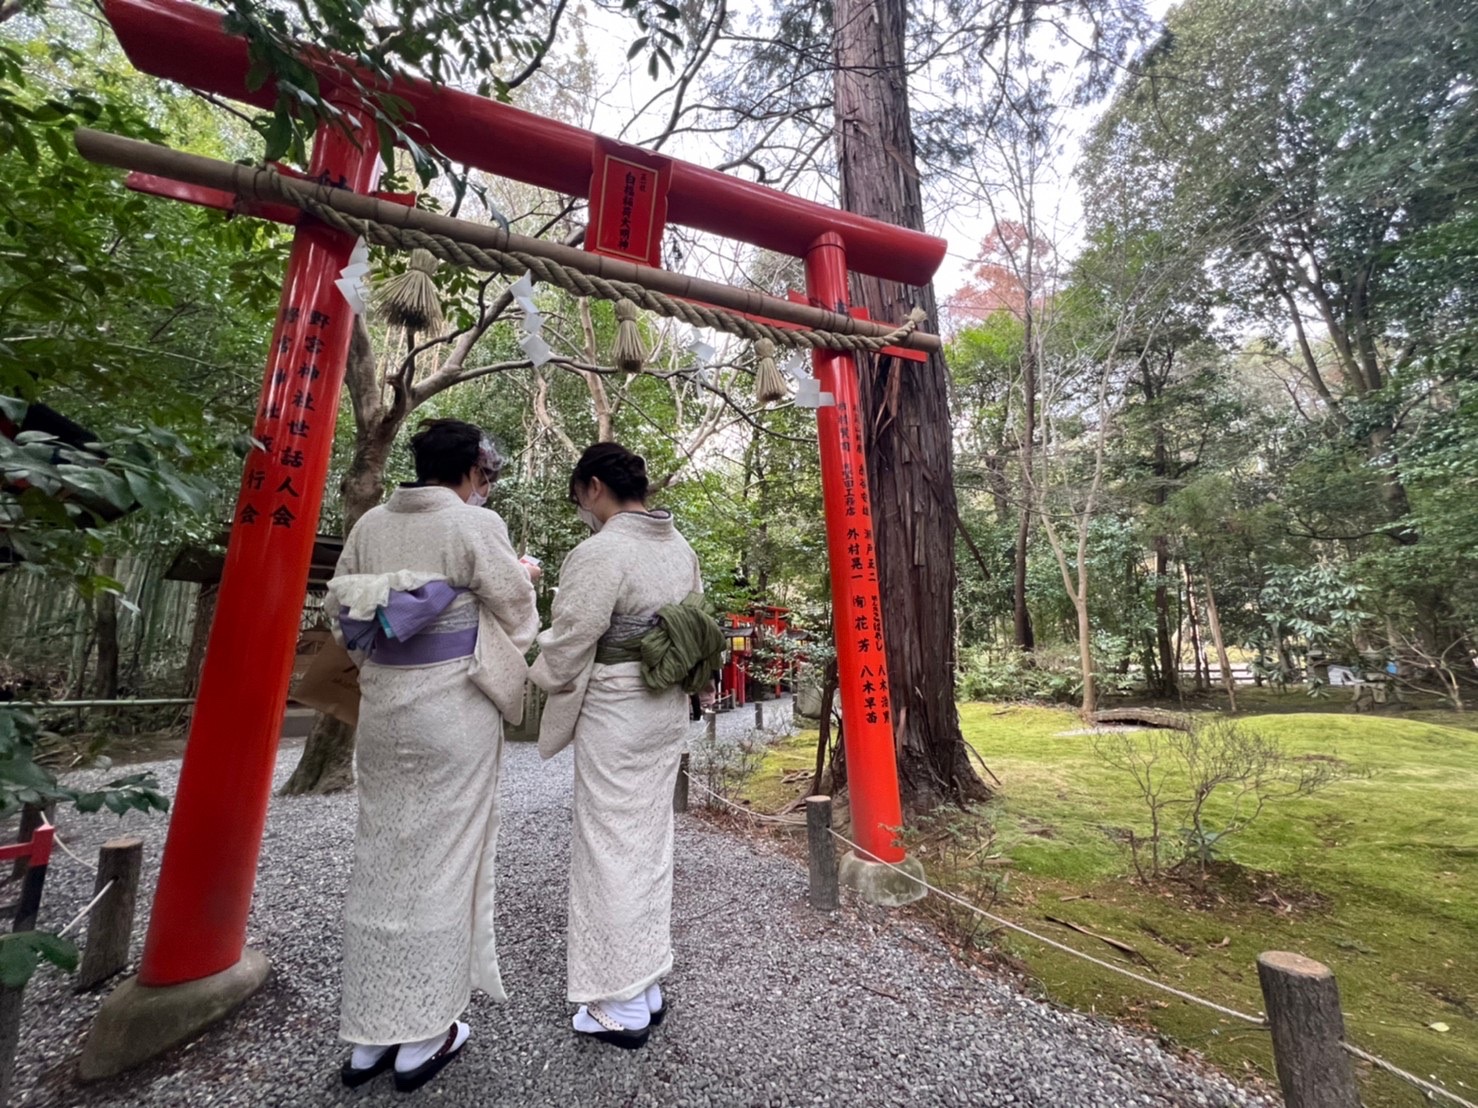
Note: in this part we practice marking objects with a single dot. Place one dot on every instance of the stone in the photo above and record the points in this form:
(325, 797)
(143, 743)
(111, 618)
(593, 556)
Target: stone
(808, 699)
(882, 884)
(139, 1022)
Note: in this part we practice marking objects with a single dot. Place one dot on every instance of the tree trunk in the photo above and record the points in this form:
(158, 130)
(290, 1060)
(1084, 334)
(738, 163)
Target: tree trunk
(105, 629)
(1169, 666)
(1198, 649)
(1085, 656)
(205, 614)
(1214, 621)
(1000, 491)
(327, 761)
(1021, 618)
(823, 735)
(905, 414)
(1021, 615)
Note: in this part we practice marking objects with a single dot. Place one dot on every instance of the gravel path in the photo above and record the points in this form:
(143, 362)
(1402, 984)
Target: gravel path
(768, 1006)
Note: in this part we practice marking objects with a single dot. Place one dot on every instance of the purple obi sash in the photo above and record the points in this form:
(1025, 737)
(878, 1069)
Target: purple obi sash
(403, 632)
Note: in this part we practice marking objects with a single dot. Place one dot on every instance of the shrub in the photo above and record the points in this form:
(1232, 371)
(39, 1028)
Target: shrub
(1014, 675)
(1203, 786)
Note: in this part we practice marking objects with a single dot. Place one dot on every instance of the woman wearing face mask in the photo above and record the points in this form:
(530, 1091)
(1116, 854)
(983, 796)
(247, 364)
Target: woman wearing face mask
(629, 641)
(431, 598)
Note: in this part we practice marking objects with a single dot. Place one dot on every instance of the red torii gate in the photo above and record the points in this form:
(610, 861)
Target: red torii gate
(195, 948)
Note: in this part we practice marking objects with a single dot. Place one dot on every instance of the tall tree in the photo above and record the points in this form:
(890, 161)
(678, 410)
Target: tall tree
(905, 412)
(1009, 276)
(1301, 153)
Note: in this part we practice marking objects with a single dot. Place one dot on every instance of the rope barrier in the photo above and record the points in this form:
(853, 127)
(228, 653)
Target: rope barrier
(1397, 1071)
(1257, 1021)
(82, 915)
(1002, 921)
(69, 852)
(760, 817)
(517, 263)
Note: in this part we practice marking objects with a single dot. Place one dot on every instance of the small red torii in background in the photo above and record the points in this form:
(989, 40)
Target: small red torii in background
(197, 928)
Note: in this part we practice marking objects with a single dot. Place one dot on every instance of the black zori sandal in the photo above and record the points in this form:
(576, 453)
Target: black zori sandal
(411, 1080)
(354, 1078)
(659, 1015)
(614, 1033)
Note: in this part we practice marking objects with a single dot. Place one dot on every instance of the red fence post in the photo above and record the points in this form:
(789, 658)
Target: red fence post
(198, 923)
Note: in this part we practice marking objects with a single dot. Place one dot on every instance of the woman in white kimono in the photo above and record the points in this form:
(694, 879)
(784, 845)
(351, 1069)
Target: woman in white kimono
(628, 734)
(431, 596)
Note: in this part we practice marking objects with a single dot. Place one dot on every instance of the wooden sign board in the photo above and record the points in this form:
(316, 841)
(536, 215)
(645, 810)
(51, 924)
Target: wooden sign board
(628, 203)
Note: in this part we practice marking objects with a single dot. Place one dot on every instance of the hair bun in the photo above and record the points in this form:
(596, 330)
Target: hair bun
(622, 471)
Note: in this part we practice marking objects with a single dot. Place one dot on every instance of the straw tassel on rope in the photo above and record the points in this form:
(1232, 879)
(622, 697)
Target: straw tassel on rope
(410, 299)
(769, 385)
(628, 355)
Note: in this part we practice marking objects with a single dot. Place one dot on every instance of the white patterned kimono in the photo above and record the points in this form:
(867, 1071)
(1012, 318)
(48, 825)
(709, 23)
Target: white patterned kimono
(418, 919)
(628, 742)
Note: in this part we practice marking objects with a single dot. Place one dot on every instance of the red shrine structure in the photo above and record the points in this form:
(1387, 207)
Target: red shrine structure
(195, 964)
(746, 674)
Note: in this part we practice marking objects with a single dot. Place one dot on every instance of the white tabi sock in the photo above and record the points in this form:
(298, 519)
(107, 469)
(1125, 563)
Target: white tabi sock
(366, 1056)
(654, 998)
(631, 1014)
(413, 1055)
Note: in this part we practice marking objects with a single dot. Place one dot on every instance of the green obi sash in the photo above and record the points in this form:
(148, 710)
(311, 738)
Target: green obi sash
(684, 648)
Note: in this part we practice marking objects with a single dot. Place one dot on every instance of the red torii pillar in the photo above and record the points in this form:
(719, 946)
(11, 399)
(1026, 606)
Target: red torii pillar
(196, 966)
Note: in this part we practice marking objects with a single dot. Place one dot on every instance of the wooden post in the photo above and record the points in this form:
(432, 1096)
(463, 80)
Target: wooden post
(710, 718)
(10, 1036)
(110, 927)
(32, 817)
(823, 853)
(29, 906)
(680, 787)
(1302, 1003)
(25, 920)
(759, 716)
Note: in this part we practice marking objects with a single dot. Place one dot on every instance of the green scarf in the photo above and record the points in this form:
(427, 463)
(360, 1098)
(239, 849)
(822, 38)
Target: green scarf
(685, 648)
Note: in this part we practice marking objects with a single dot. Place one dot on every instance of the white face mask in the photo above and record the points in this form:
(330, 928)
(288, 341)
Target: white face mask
(588, 518)
(476, 499)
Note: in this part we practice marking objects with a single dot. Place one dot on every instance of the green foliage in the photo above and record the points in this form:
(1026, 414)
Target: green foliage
(1319, 604)
(1012, 675)
(1276, 293)
(81, 246)
(140, 319)
(443, 41)
(25, 780)
(108, 305)
(54, 526)
(21, 952)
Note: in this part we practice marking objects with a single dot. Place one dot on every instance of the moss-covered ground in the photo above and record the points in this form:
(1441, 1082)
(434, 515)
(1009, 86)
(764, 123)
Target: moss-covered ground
(1376, 876)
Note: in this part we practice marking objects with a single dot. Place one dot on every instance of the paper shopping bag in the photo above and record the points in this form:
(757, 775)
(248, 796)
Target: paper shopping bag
(331, 684)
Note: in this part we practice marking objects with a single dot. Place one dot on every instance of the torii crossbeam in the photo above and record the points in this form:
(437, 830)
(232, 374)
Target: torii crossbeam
(196, 965)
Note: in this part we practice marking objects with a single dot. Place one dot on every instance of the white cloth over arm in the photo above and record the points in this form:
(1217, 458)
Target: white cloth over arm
(589, 583)
(509, 619)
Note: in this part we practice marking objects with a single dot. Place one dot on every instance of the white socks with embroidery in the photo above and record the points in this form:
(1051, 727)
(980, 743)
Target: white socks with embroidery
(633, 1014)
